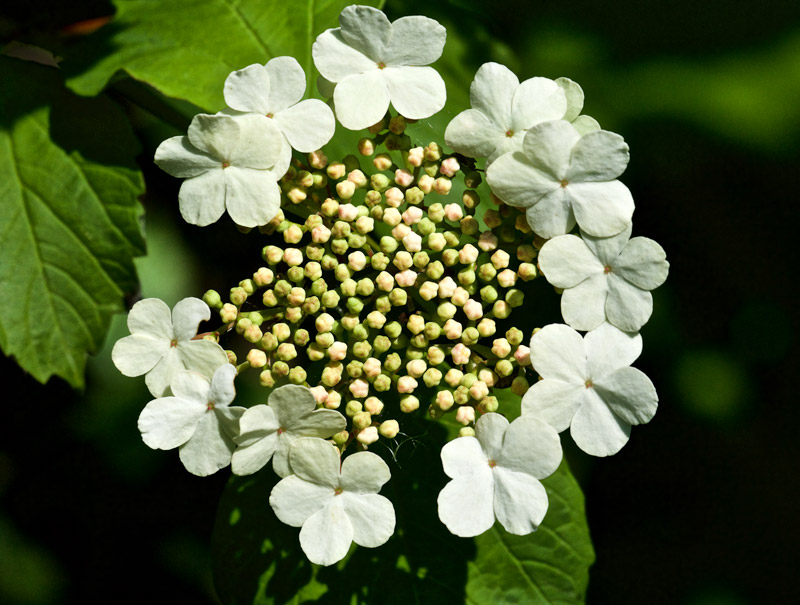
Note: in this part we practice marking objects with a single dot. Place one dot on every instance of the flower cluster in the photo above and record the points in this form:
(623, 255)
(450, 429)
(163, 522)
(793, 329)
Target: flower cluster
(387, 287)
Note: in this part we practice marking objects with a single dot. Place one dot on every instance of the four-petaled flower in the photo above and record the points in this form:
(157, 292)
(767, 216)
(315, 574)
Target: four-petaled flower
(374, 62)
(496, 475)
(605, 278)
(562, 177)
(230, 162)
(197, 418)
(268, 431)
(160, 344)
(588, 385)
(333, 505)
(502, 112)
(275, 90)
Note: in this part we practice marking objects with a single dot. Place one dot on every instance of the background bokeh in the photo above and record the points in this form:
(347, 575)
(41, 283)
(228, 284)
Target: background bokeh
(699, 508)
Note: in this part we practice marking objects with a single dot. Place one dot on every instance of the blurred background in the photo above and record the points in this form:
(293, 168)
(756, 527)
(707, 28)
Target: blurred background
(699, 507)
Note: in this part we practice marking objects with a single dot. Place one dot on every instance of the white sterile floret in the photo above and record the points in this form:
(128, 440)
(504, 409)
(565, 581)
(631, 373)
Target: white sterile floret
(562, 178)
(588, 385)
(496, 475)
(197, 418)
(374, 62)
(334, 507)
(162, 343)
(502, 112)
(268, 431)
(230, 162)
(275, 90)
(605, 278)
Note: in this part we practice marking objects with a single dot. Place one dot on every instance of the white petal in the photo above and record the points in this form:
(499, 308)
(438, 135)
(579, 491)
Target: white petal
(466, 505)
(371, 516)
(191, 386)
(566, 261)
(574, 95)
(601, 209)
(215, 135)
(295, 500)
(202, 198)
(327, 534)
(415, 92)
(203, 356)
(627, 307)
(596, 429)
(288, 83)
(607, 249)
(291, 403)
(585, 124)
(169, 422)
(361, 100)
(222, 390)
(364, 473)
(598, 156)
(463, 457)
(609, 349)
(252, 197)
(336, 59)
(178, 157)
(209, 449)
(248, 89)
(584, 306)
(530, 446)
(557, 352)
(471, 133)
(259, 143)
(283, 161)
(515, 180)
(280, 458)
(552, 215)
(489, 431)
(520, 501)
(186, 317)
(308, 125)
(537, 100)
(630, 394)
(642, 262)
(553, 401)
(319, 423)
(151, 317)
(250, 458)
(415, 40)
(315, 460)
(506, 144)
(548, 146)
(137, 354)
(492, 91)
(159, 378)
(367, 30)
(257, 422)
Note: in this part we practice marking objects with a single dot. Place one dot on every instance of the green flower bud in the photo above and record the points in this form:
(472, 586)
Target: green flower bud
(396, 142)
(330, 299)
(403, 260)
(461, 395)
(286, 351)
(329, 262)
(269, 342)
(487, 327)
(469, 226)
(282, 288)
(388, 244)
(401, 342)
(294, 233)
(361, 332)
(446, 310)
(487, 272)
(419, 341)
(242, 324)
(362, 349)
(470, 199)
(280, 369)
(526, 271)
(466, 276)
(296, 275)
(212, 299)
(269, 299)
(353, 407)
(266, 379)
(432, 377)
(432, 330)
(301, 337)
(383, 304)
(365, 287)
(253, 334)
(297, 375)
(393, 329)
(470, 336)
(381, 344)
(436, 242)
(293, 314)
(435, 270)
(341, 437)
(312, 270)
(453, 377)
(414, 196)
(489, 294)
(519, 386)
(281, 331)
(430, 168)
(382, 383)
(489, 404)
(342, 272)
(452, 239)
(272, 254)
(515, 336)
(362, 420)
(421, 259)
(408, 404)
(450, 257)
(380, 182)
(376, 319)
(331, 375)
(357, 240)
(348, 287)
(379, 261)
(238, 295)
(324, 339)
(339, 246)
(350, 321)
(316, 352)
(504, 368)
(392, 363)
(355, 369)
(436, 213)
(515, 298)
(501, 309)
(231, 357)
(398, 297)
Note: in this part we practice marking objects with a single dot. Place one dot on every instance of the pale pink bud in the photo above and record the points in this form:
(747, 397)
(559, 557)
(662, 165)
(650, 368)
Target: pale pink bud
(453, 377)
(292, 257)
(394, 197)
(406, 384)
(335, 171)
(356, 260)
(357, 178)
(385, 281)
(468, 254)
(488, 376)
(400, 231)
(501, 347)
(382, 161)
(447, 287)
(500, 259)
(507, 278)
(465, 414)
(333, 401)
(392, 217)
(452, 329)
(412, 215)
(368, 435)
(523, 355)
(359, 388)
(453, 212)
(412, 242)
(373, 405)
(416, 155)
(444, 399)
(460, 297)
(473, 309)
(320, 393)
(320, 234)
(460, 354)
(372, 367)
(425, 183)
(263, 277)
(406, 279)
(365, 224)
(317, 159)
(403, 177)
(337, 351)
(487, 241)
(449, 167)
(479, 390)
(258, 358)
(348, 212)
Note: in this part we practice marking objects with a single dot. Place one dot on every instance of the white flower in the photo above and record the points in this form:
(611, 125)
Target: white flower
(161, 345)
(374, 62)
(496, 474)
(268, 431)
(333, 508)
(588, 386)
(562, 177)
(275, 90)
(229, 162)
(502, 112)
(605, 278)
(197, 418)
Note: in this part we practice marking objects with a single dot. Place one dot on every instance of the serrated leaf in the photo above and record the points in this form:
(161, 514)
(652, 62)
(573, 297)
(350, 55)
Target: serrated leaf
(69, 220)
(186, 48)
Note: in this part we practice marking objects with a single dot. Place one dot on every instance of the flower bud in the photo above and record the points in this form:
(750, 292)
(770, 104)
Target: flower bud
(397, 124)
(292, 257)
(286, 351)
(515, 298)
(469, 226)
(297, 375)
(416, 367)
(479, 390)
(416, 155)
(452, 329)
(406, 279)
(432, 377)
(414, 196)
(330, 299)
(487, 241)
(392, 362)
(526, 271)
(519, 386)
(213, 299)
(345, 189)
(382, 383)
(444, 400)
(470, 336)
(238, 295)
(408, 404)
(412, 242)
(488, 376)
(522, 355)
(473, 309)
(470, 199)
(337, 351)
(294, 233)
(507, 278)
(389, 428)
(256, 358)
(460, 297)
(398, 297)
(296, 296)
(450, 257)
(504, 368)
(366, 146)
(449, 167)
(280, 369)
(501, 309)
(359, 387)
(465, 414)
(403, 177)
(446, 311)
(460, 354)
(228, 313)
(400, 231)
(489, 404)
(453, 212)
(394, 197)
(486, 272)
(330, 207)
(425, 183)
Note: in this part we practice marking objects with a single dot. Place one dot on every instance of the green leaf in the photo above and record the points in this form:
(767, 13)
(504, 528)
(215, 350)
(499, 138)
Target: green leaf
(186, 48)
(70, 220)
(256, 559)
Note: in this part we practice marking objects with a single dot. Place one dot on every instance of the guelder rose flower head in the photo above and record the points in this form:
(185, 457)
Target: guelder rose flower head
(197, 418)
(268, 431)
(333, 507)
(605, 278)
(502, 112)
(162, 343)
(374, 62)
(496, 475)
(562, 178)
(275, 90)
(588, 385)
(230, 162)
